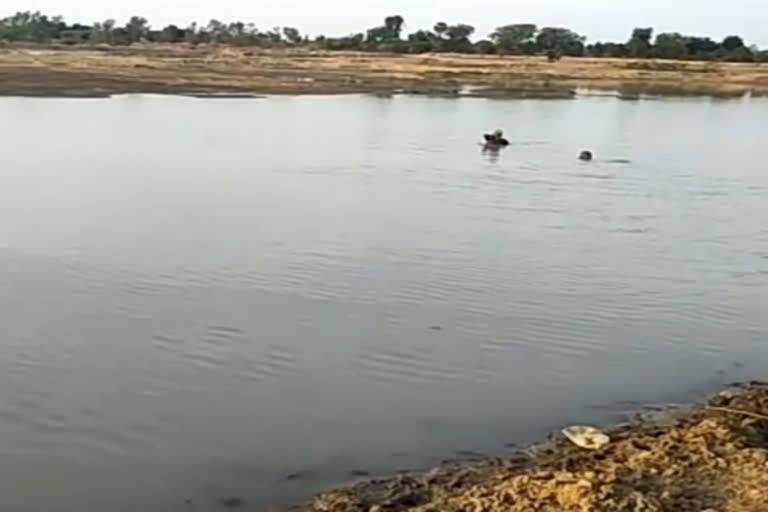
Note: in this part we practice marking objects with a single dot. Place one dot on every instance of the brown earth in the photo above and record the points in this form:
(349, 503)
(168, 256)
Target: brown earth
(217, 70)
(712, 458)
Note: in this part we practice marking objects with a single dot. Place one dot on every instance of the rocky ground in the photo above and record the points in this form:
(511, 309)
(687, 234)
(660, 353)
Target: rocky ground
(712, 458)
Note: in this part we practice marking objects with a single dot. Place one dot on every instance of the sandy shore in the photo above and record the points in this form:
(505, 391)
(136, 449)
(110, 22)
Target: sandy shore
(710, 458)
(211, 70)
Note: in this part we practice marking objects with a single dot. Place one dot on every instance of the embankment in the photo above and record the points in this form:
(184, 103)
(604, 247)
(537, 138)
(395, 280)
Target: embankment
(90, 71)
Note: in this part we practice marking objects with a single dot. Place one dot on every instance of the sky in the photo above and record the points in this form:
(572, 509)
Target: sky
(597, 19)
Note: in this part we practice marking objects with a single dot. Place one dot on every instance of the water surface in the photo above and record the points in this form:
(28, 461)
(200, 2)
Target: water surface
(212, 299)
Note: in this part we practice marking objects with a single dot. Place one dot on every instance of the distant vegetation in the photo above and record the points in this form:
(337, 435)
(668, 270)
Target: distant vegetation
(513, 39)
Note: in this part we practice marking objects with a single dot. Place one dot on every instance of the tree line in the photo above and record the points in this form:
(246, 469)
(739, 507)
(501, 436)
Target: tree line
(513, 39)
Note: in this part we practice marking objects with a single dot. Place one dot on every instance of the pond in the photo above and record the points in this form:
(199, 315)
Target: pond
(218, 302)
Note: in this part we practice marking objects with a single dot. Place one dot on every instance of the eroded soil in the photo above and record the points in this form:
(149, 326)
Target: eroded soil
(215, 70)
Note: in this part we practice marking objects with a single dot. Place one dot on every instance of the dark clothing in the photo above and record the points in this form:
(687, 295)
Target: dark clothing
(497, 140)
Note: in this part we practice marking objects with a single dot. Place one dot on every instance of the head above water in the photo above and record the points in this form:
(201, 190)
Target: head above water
(585, 155)
(498, 133)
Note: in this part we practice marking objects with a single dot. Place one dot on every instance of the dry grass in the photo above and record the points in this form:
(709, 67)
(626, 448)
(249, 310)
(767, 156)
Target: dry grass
(182, 69)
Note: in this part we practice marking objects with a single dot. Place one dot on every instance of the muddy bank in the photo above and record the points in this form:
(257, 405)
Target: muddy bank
(76, 84)
(93, 71)
(712, 458)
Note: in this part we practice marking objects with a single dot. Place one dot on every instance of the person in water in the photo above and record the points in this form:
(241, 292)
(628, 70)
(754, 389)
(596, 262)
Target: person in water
(585, 156)
(495, 139)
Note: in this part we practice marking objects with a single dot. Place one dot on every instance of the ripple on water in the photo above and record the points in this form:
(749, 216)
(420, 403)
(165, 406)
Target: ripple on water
(414, 366)
(222, 335)
(397, 366)
(594, 175)
(167, 343)
(270, 362)
(563, 337)
(203, 356)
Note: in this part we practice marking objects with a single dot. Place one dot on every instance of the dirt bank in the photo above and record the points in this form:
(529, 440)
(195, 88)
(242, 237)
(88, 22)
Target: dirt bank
(707, 459)
(216, 70)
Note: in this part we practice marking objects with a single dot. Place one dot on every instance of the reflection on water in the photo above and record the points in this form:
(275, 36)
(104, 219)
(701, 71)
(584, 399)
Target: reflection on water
(198, 310)
(492, 152)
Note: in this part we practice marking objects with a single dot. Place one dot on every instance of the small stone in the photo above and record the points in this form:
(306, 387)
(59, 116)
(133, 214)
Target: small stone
(748, 422)
(456, 481)
(564, 477)
(375, 508)
(589, 438)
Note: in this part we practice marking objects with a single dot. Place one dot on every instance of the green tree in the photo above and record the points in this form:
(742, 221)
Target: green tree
(190, 33)
(75, 33)
(701, 47)
(137, 28)
(484, 46)
(732, 43)
(740, 54)
(31, 26)
(171, 34)
(560, 40)
(274, 36)
(217, 31)
(292, 35)
(460, 31)
(377, 35)
(394, 25)
(102, 32)
(389, 33)
(452, 38)
(670, 46)
(242, 34)
(120, 36)
(351, 42)
(236, 30)
(458, 37)
(524, 38)
(421, 41)
(515, 38)
(639, 44)
(599, 49)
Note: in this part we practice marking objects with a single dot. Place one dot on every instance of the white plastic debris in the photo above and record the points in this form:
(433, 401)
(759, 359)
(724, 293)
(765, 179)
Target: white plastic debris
(586, 437)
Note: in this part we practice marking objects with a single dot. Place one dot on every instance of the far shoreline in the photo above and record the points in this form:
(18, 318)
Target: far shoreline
(61, 94)
(212, 71)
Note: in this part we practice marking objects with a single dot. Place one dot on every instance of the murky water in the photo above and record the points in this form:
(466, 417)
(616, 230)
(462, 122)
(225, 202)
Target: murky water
(203, 300)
